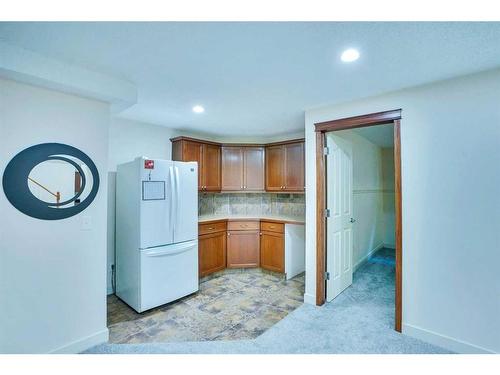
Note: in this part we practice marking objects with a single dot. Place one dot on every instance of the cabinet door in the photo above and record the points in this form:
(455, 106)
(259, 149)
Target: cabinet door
(242, 249)
(253, 168)
(272, 251)
(294, 167)
(193, 151)
(211, 175)
(232, 168)
(211, 253)
(274, 168)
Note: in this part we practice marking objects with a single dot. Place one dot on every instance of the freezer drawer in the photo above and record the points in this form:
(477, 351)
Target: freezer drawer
(168, 273)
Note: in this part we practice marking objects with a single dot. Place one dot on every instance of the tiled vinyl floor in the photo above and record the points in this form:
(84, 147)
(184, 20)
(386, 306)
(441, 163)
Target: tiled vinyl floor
(234, 305)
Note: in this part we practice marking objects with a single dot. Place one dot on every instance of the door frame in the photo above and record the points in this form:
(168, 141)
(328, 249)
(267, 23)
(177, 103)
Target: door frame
(321, 128)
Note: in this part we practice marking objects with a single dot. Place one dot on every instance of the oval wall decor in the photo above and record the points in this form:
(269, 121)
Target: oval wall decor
(51, 181)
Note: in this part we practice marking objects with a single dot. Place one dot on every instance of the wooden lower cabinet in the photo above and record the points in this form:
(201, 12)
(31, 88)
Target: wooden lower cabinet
(272, 251)
(241, 244)
(243, 248)
(211, 253)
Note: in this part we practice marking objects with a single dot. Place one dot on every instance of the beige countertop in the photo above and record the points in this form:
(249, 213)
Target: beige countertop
(280, 218)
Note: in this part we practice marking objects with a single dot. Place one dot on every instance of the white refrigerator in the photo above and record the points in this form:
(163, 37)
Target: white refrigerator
(156, 232)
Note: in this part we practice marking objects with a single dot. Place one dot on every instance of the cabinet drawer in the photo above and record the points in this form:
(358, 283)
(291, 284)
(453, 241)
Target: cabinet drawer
(272, 227)
(211, 227)
(243, 225)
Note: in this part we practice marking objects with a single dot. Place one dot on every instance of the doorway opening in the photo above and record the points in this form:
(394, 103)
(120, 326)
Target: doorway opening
(342, 246)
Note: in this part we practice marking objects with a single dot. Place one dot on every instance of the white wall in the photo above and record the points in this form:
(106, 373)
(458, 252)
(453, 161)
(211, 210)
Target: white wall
(388, 198)
(450, 139)
(52, 273)
(128, 140)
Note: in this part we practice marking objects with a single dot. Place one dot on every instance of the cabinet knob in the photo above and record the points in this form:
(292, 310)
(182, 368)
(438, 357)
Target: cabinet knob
(228, 234)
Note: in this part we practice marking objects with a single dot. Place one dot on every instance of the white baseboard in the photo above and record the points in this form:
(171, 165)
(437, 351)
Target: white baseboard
(445, 342)
(83, 344)
(310, 299)
(363, 260)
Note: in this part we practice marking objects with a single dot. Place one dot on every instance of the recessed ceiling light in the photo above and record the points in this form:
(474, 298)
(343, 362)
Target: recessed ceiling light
(198, 109)
(350, 55)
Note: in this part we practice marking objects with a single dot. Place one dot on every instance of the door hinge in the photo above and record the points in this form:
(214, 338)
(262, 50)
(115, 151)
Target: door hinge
(327, 212)
(326, 151)
(327, 275)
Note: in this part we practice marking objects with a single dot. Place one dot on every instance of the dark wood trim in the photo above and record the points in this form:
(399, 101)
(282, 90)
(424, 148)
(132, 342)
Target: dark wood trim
(243, 144)
(321, 128)
(378, 118)
(298, 140)
(399, 223)
(182, 138)
(320, 219)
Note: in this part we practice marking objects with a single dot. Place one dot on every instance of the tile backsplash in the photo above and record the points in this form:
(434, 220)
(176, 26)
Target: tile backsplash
(251, 204)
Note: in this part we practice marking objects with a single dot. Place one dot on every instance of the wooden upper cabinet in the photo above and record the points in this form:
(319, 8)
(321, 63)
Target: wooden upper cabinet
(285, 167)
(274, 168)
(211, 174)
(232, 168)
(253, 170)
(193, 151)
(208, 157)
(294, 167)
(242, 168)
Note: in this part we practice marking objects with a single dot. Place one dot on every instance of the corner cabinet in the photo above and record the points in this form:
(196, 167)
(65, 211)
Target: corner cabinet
(243, 244)
(285, 167)
(242, 168)
(206, 154)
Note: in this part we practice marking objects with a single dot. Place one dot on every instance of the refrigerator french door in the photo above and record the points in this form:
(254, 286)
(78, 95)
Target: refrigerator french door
(169, 204)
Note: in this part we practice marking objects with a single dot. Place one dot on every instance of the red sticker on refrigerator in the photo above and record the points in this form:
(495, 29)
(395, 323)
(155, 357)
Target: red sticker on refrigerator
(149, 164)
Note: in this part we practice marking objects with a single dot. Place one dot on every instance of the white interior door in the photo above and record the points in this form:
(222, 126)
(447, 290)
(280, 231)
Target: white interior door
(339, 223)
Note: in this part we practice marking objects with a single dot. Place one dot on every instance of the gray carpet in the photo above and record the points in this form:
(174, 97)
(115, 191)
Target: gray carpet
(360, 320)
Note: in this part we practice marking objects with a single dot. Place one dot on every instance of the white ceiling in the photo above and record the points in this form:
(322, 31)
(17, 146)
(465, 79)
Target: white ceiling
(258, 78)
(381, 135)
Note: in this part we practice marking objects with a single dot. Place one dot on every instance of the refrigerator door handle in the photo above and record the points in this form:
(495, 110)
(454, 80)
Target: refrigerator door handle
(174, 251)
(177, 197)
(171, 225)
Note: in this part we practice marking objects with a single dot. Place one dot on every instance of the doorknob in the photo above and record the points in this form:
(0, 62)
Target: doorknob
(352, 220)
